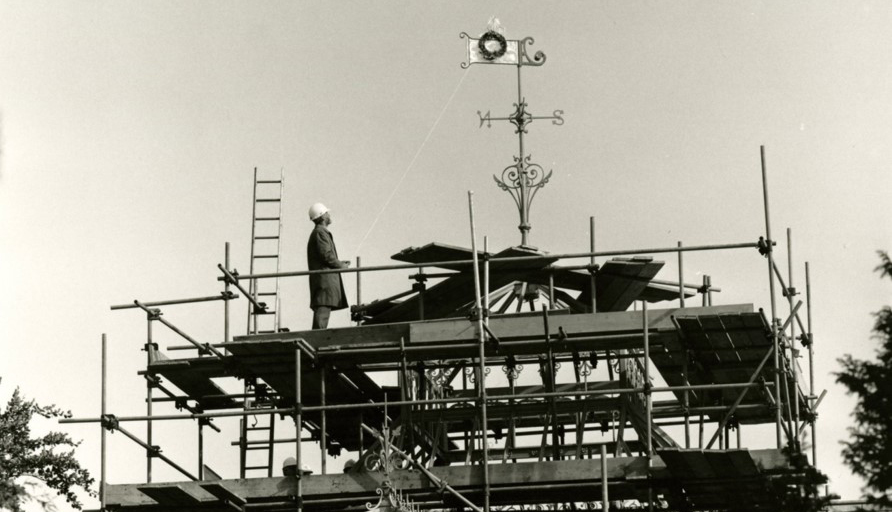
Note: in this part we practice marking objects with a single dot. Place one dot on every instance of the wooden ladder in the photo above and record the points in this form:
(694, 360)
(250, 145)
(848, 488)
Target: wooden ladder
(266, 233)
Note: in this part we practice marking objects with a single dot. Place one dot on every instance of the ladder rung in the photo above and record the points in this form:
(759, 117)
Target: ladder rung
(256, 467)
(265, 332)
(266, 218)
(263, 313)
(269, 181)
(268, 200)
(266, 256)
(266, 237)
(266, 294)
(255, 448)
(252, 429)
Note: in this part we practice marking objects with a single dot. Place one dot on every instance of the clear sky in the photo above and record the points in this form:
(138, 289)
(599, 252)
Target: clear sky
(129, 131)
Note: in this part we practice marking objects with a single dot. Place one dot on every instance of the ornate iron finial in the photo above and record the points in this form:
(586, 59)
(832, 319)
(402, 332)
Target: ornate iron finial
(385, 460)
(523, 178)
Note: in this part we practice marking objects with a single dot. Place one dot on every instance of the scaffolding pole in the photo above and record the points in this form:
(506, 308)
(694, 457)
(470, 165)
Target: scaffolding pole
(227, 293)
(593, 289)
(481, 339)
(605, 497)
(298, 424)
(103, 452)
(811, 370)
(774, 335)
(151, 316)
(508, 259)
(648, 397)
(791, 292)
(323, 431)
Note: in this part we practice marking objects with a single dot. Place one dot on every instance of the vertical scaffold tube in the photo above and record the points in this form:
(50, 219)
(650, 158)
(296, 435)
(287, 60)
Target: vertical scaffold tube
(647, 395)
(226, 293)
(552, 379)
(605, 496)
(323, 435)
(680, 276)
(686, 397)
(102, 427)
(201, 449)
(358, 287)
(481, 376)
(591, 236)
(648, 403)
(149, 386)
(298, 424)
(791, 300)
(811, 369)
(774, 338)
(485, 280)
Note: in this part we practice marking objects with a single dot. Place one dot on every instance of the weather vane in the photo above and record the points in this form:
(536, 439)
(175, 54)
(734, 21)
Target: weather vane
(523, 178)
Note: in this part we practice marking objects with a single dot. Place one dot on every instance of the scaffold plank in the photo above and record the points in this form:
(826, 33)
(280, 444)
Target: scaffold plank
(436, 252)
(173, 494)
(194, 383)
(522, 482)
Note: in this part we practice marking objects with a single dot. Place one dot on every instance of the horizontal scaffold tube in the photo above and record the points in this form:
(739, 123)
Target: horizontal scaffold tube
(372, 405)
(510, 259)
(194, 416)
(222, 296)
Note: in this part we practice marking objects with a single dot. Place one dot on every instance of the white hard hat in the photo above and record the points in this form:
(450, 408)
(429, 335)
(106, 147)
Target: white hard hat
(317, 210)
(290, 461)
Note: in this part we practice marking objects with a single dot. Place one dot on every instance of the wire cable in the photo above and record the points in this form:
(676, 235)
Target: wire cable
(412, 162)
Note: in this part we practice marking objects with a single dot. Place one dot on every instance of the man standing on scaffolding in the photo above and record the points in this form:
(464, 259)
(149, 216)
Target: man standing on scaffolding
(326, 290)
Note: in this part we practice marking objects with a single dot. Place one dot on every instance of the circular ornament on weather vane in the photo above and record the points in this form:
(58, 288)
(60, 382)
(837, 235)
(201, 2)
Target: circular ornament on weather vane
(487, 45)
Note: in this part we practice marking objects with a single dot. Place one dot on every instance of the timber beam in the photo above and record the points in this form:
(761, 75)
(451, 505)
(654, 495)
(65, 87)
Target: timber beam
(540, 482)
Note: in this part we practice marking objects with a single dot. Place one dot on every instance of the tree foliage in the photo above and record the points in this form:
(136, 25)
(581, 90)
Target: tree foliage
(869, 451)
(49, 458)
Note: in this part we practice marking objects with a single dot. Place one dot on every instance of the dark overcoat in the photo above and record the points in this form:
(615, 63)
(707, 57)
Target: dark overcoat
(325, 289)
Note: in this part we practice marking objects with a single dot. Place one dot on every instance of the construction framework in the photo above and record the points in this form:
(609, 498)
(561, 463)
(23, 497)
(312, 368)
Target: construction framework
(449, 435)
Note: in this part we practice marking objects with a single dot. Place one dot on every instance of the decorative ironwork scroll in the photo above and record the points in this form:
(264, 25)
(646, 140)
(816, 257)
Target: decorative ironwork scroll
(523, 178)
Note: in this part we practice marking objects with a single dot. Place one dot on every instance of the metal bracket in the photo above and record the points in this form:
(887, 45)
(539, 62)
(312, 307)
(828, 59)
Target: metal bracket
(151, 314)
(110, 422)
